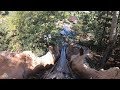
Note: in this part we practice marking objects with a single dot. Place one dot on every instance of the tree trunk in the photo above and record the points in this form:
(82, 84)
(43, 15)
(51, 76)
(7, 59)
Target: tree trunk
(112, 39)
(114, 25)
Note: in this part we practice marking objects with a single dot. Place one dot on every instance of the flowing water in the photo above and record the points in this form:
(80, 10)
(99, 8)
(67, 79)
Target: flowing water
(61, 70)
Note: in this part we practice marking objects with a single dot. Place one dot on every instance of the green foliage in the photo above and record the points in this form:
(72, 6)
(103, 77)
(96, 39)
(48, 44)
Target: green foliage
(25, 30)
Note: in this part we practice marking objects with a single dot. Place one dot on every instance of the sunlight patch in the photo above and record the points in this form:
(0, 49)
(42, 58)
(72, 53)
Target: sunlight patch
(4, 75)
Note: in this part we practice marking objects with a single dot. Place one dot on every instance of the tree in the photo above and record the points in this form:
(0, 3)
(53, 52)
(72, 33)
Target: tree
(112, 39)
(26, 29)
(114, 29)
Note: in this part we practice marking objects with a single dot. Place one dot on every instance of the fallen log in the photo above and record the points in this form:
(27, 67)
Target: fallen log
(61, 70)
(82, 68)
(21, 65)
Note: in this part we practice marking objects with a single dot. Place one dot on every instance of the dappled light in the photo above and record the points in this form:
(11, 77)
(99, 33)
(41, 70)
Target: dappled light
(19, 65)
(59, 45)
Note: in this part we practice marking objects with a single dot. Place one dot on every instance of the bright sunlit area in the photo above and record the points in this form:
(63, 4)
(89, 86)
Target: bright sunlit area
(59, 44)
